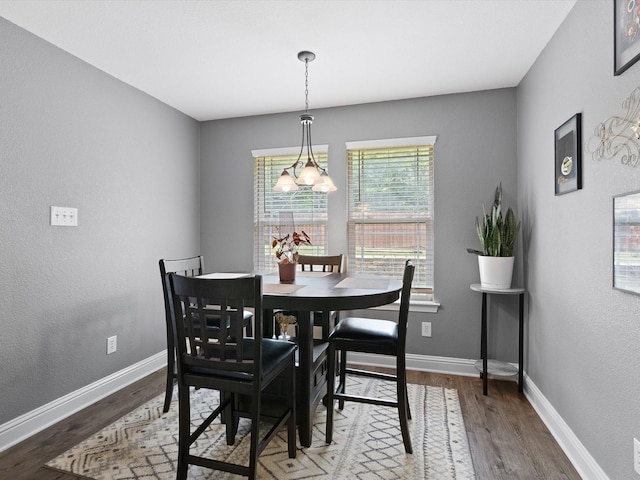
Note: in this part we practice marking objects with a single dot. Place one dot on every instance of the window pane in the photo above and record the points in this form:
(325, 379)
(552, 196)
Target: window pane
(279, 213)
(391, 211)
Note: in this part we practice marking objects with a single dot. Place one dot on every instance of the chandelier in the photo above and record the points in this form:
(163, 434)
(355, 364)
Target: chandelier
(312, 174)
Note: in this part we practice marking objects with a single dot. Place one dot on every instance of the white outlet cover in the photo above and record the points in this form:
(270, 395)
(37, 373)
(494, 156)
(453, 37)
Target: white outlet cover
(636, 455)
(112, 344)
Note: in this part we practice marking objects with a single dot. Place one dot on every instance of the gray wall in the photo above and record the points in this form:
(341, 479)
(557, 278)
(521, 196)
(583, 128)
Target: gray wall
(475, 150)
(72, 136)
(583, 336)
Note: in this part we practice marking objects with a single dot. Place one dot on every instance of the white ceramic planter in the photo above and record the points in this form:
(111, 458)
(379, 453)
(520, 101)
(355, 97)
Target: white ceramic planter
(495, 272)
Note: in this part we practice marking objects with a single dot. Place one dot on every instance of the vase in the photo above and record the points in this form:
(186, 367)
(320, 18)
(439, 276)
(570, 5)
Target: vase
(284, 326)
(287, 272)
(495, 272)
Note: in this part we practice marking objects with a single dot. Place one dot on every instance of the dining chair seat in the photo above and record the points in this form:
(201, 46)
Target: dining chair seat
(369, 335)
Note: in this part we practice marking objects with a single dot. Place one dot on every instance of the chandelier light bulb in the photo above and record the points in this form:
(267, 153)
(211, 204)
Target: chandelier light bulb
(309, 174)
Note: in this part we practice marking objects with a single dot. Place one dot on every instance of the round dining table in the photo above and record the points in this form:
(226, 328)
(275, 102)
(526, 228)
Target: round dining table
(319, 291)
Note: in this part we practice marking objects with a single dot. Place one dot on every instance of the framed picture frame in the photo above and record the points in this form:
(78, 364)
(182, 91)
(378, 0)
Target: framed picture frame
(626, 242)
(626, 35)
(568, 161)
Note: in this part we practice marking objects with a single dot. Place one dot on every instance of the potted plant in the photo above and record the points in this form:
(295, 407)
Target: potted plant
(497, 234)
(287, 253)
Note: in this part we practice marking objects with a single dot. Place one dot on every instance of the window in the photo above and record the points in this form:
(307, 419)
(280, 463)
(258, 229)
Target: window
(278, 213)
(390, 209)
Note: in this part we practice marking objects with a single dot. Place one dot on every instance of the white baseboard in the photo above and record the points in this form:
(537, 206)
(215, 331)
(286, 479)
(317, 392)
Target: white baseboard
(422, 363)
(33, 422)
(37, 420)
(579, 456)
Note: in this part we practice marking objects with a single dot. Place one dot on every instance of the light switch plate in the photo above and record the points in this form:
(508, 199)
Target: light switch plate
(426, 329)
(64, 216)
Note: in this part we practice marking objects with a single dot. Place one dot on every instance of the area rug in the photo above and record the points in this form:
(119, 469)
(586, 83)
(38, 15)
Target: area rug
(367, 443)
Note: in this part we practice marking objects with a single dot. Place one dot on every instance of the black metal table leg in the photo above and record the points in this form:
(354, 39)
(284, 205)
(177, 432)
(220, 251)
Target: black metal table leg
(521, 343)
(483, 346)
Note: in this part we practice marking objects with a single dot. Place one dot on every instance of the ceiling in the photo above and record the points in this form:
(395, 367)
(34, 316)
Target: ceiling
(213, 59)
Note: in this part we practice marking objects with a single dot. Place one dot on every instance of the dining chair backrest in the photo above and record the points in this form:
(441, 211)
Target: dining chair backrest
(320, 263)
(219, 346)
(405, 297)
(191, 266)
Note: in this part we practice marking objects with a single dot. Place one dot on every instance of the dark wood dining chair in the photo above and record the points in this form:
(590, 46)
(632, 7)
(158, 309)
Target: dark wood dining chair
(189, 267)
(369, 335)
(322, 263)
(223, 358)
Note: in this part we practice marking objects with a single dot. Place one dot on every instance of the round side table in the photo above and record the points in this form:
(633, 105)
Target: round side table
(495, 367)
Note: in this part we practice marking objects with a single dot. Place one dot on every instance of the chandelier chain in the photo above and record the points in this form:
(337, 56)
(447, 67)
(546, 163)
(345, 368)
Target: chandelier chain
(306, 85)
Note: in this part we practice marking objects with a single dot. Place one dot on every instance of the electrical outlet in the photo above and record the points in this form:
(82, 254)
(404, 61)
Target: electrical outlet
(426, 329)
(64, 216)
(636, 455)
(112, 344)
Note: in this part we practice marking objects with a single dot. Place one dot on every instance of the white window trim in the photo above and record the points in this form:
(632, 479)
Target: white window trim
(392, 142)
(274, 152)
(420, 306)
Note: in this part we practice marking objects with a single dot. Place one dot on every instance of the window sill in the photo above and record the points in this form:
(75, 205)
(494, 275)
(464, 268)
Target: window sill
(414, 306)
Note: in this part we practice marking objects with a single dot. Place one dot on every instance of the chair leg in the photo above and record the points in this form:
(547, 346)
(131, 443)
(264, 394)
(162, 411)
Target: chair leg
(184, 431)
(171, 370)
(291, 424)
(170, 376)
(230, 417)
(342, 384)
(331, 380)
(255, 436)
(403, 405)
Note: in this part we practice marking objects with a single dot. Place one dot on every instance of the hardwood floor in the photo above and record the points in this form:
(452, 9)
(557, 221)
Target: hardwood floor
(507, 438)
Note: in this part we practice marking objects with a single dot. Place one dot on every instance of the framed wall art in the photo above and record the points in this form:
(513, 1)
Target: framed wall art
(626, 34)
(568, 142)
(626, 242)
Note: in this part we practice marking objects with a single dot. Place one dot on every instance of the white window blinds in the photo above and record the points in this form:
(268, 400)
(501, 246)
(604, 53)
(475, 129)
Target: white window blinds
(390, 212)
(279, 213)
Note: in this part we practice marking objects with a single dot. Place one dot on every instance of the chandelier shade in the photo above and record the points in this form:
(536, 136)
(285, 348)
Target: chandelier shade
(286, 183)
(324, 185)
(311, 174)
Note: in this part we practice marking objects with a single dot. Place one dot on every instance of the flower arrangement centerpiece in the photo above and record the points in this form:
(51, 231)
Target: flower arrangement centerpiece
(287, 253)
(284, 321)
(287, 246)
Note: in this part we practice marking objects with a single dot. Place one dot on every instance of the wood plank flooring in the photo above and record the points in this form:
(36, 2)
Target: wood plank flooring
(507, 438)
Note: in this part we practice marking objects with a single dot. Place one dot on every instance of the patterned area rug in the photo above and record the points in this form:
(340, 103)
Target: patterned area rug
(367, 443)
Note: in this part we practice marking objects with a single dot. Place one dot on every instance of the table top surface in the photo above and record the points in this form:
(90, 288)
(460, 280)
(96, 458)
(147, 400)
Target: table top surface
(324, 291)
(477, 287)
(328, 291)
